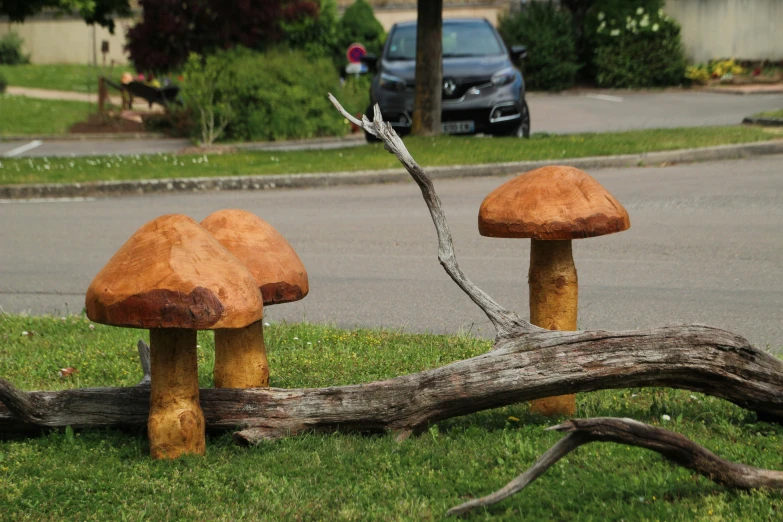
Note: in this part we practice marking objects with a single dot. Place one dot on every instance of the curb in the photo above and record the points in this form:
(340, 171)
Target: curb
(767, 122)
(157, 186)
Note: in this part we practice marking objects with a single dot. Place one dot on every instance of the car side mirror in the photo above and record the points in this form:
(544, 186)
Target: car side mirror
(370, 60)
(518, 52)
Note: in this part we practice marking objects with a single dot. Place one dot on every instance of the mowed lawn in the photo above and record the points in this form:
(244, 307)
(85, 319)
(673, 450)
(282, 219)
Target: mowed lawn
(108, 475)
(439, 151)
(59, 77)
(20, 115)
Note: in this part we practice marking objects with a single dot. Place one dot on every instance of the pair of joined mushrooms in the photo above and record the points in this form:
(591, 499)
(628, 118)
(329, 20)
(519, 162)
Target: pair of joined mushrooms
(551, 206)
(174, 277)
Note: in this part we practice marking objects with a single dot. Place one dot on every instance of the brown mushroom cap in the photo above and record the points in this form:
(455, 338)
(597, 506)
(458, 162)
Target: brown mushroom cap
(551, 203)
(174, 274)
(279, 272)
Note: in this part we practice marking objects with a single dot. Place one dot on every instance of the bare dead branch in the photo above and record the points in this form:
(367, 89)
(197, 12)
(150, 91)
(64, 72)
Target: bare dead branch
(674, 446)
(534, 365)
(506, 322)
(21, 404)
(144, 359)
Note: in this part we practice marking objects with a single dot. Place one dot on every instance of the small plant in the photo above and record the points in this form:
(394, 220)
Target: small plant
(203, 94)
(3, 83)
(546, 30)
(11, 50)
(720, 70)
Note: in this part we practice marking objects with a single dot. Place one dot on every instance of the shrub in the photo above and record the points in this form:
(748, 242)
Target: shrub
(207, 94)
(546, 30)
(11, 50)
(359, 25)
(638, 49)
(279, 95)
(3, 83)
(313, 28)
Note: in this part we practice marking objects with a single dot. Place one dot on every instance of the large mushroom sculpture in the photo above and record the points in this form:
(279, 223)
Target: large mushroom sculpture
(240, 355)
(551, 206)
(174, 278)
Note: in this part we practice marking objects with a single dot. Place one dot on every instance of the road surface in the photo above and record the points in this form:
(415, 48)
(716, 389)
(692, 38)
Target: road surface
(705, 246)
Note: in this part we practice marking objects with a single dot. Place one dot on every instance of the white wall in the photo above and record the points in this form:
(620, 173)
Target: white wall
(742, 29)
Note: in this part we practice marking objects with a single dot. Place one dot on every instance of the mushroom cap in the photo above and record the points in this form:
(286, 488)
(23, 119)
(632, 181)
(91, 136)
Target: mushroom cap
(551, 203)
(173, 274)
(279, 272)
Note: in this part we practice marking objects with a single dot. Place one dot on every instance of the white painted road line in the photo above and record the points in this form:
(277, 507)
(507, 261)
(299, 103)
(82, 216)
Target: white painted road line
(45, 200)
(24, 148)
(605, 97)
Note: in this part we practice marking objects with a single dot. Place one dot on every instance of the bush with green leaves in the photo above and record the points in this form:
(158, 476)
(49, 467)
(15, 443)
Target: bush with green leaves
(546, 30)
(206, 93)
(316, 33)
(11, 50)
(359, 25)
(3, 83)
(279, 95)
(637, 48)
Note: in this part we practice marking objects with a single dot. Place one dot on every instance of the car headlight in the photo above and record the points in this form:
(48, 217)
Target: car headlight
(504, 77)
(392, 83)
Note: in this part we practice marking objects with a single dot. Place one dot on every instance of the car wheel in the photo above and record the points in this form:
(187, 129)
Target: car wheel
(523, 131)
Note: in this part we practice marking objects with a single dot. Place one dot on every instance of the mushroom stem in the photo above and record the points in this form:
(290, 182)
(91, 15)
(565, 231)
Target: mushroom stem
(240, 357)
(554, 298)
(176, 422)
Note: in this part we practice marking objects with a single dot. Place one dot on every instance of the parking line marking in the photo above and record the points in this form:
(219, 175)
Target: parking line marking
(24, 148)
(605, 97)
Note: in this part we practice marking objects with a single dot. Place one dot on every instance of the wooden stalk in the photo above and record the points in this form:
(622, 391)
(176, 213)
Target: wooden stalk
(240, 357)
(554, 298)
(176, 423)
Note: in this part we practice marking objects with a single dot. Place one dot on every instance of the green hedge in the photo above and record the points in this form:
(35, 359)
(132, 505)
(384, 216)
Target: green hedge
(636, 47)
(546, 30)
(280, 95)
(11, 50)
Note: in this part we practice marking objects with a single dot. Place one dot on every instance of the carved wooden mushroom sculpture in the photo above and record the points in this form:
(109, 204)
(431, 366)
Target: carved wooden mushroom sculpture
(240, 355)
(552, 206)
(174, 278)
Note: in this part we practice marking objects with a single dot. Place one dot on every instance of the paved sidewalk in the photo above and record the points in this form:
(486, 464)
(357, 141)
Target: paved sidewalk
(47, 94)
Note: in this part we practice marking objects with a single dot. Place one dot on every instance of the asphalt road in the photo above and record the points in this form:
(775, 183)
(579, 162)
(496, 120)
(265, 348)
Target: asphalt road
(705, 246)
(554, 113)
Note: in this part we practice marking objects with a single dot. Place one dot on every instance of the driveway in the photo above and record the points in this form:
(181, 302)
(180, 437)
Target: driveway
(704, 247)
(599, 111)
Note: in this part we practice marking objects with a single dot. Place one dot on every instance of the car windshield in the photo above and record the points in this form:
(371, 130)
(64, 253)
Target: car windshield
(460, 39)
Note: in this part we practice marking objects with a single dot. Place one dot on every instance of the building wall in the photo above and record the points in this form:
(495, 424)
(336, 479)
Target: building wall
(69, 40)
(742, 29)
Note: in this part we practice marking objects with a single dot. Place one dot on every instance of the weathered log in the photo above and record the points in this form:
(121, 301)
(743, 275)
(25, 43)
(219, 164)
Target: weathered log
(675, 447)
(536, 365)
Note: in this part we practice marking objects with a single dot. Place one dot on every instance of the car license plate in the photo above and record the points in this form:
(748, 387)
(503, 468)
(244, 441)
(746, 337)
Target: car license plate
(457, 127)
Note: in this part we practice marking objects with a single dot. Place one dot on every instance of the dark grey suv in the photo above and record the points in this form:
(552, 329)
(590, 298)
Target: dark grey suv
(482, 90)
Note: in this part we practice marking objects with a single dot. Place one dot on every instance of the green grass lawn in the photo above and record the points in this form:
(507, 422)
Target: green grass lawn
(59, 77)
(770, 114)
(108, 475)
(20, 115)
(444, 150)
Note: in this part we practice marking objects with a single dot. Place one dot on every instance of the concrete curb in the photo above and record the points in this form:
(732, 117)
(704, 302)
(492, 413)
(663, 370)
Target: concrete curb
(87, 136)
(119, 188)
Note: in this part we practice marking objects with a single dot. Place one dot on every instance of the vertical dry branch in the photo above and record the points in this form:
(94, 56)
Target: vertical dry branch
(507, 323)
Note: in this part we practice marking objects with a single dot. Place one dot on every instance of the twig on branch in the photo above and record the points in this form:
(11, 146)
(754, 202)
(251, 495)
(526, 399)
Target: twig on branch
(144, 359)
(674, 446)
(506, 322)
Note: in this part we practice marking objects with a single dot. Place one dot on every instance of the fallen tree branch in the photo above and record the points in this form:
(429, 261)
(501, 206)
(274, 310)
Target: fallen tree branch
(531, 366)
(506, 322)
(675, 447)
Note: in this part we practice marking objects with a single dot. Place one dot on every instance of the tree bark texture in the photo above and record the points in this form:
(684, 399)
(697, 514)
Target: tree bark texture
(429, 68)
(675, 447)
(554, 299)
(535, 365)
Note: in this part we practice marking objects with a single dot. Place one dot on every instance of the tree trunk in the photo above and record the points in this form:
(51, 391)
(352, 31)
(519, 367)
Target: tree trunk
(429, 68)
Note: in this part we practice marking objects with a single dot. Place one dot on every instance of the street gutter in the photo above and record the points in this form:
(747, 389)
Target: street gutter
(397, 175)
